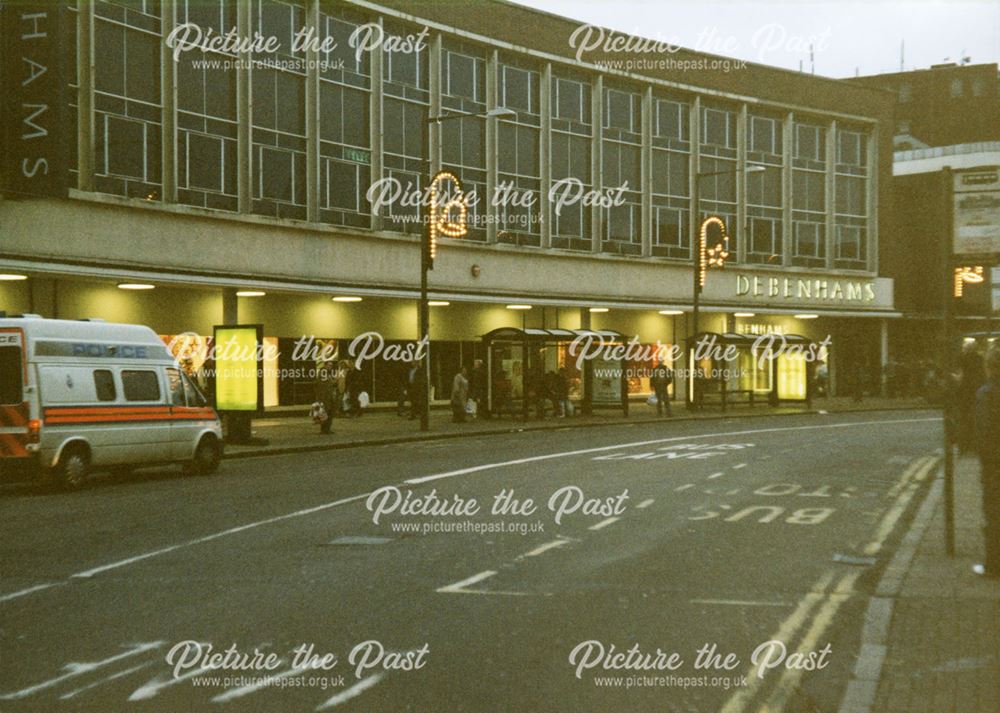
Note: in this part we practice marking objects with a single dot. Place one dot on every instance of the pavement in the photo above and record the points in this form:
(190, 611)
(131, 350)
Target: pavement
(714, 536)
(291, 432)
(942, 649)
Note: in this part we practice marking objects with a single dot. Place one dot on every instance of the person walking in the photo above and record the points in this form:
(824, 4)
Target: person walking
(502, 395)
(415, 388)
(459, 395)
(971, 377)
(561, 383)
(402, 388)
(660, 381)
(987, 419)
(326, 394)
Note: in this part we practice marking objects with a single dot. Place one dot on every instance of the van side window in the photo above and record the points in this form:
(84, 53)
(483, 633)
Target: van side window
(194, 396)
(176, 387)
(140, 385)
(104, 385)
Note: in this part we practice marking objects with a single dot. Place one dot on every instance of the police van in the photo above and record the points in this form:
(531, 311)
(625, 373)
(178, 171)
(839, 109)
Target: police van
(80, 396)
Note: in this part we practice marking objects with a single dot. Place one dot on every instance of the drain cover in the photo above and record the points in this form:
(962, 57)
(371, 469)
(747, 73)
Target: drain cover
(360, 540)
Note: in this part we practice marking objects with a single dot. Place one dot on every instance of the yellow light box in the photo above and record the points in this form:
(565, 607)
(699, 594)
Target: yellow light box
(239, 383)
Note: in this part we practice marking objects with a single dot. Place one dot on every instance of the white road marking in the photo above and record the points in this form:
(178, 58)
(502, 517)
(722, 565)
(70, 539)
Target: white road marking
(464, 471)
(78, 669)
(715, 475)
(545, 548)
(739, 465)
(158, 683)
(645, 504)
(600, 449)
(29, 590)
(684, 487)
(217, 535)
(604, 523)
(353, 692)
(740, 603)
(264, 682)
(112, 677)
(474, 579)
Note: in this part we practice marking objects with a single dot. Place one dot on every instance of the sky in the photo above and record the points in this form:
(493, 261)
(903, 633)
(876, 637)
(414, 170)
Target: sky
(848, 36)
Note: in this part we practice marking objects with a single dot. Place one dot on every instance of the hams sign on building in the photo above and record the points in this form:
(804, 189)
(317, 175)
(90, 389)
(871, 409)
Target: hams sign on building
(32, 58)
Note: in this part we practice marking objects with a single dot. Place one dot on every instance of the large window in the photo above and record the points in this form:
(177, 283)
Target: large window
(717, 193)
(206, 113)
(127, 114)
(140, 385)
(621, 164)
(520, 172)
(344, 126)
(405, 104)
(850, 238)
(671, 178)
(809, 196)
(278, 134)
(463, 141)
(765, 147)
(572, 133)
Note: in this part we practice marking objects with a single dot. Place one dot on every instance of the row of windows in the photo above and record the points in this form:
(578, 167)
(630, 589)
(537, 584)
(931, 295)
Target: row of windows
(128, 136)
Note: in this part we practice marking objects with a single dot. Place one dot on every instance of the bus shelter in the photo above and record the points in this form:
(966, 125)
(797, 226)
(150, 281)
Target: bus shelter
(519, 360)
(757, 372)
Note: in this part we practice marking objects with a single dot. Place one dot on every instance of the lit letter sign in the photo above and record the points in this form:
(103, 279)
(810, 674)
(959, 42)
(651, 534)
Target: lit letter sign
(972, 274)
(439, 218)
(714, 256)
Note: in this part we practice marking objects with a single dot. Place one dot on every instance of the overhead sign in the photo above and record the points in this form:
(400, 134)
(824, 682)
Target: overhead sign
(977, 212)
(805, 289)
(239, 368)
(35, 133)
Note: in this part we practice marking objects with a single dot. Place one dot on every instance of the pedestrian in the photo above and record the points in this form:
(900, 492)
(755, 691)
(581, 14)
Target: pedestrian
(660, 380)
(459, 395)
(415, 387)
(562, 393)
(970, 378)
(477, 388)
(326, 395)
(987, 418)
(822, 379)
(537, 392)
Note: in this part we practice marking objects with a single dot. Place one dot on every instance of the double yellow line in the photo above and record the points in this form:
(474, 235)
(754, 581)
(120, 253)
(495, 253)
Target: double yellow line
(823, 600)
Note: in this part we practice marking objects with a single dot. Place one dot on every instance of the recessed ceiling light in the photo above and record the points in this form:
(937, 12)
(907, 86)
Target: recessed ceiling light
(439, 303)
(671, 311)
(10, 277)
(346, 298)
(518, 306)
(806, 316)
(250, 293)
(744, 314)
(598, 309)
(135, 286)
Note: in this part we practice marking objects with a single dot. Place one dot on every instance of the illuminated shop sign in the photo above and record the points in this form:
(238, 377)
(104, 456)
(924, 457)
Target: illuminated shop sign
(972, 275)
(448, 219)
(805, 289)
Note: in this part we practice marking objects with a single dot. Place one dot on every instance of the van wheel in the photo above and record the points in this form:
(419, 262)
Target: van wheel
(206, 457)
(73, 469)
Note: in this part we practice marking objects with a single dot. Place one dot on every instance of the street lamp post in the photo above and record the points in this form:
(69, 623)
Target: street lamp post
(702, 261)
(440, 223)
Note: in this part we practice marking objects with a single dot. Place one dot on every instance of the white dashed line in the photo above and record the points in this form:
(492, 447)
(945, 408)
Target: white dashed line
(29, 590)
(460, 586)
(645, 504)
(545, 548)
(739, 465)
(356, 690)
(684, 487)
(715, 475)
(604, 523)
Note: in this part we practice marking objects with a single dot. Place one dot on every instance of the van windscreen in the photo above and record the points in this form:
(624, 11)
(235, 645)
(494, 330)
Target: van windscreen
(11, 375)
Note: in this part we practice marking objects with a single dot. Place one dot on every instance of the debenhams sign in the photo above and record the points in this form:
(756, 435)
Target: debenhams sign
(805, 289)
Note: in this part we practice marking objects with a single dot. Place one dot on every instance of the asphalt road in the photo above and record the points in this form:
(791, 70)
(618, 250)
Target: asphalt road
(672, 537)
